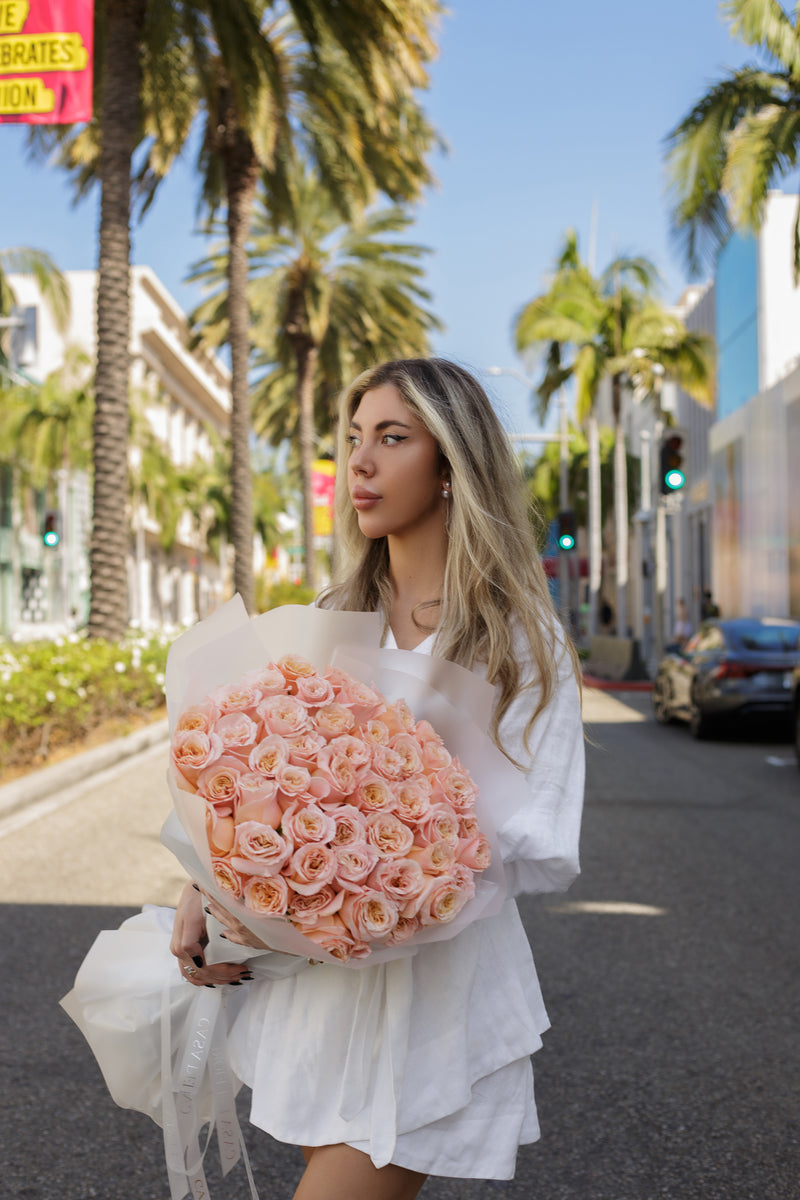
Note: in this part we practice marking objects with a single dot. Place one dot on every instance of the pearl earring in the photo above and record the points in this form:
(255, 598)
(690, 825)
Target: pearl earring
(445, 491)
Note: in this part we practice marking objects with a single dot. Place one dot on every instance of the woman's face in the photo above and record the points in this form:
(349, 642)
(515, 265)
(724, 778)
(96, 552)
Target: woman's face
(394, 471)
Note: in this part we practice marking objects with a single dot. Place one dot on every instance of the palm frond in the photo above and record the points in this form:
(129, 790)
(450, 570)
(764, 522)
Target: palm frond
(765, 23)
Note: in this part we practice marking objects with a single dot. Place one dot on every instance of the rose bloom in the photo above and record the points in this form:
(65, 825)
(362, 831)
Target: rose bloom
(333, 720)
(226, 879)
(412, 800)
(363, 700)
(269, 756)
(313, 691)
(258, 800)
(390, 837)
(398, 717)
(405, 744)
(294, 666)
(199, 716)
(464, 878)
(304, 747)
(355, 864)
(220, 831)
(405, 929)
(219, 783)
(193, 750)
(375, 733)
(371, 916)
(399, 878)
(374, 794)
(338, 772)
(457, 787)
(443, 902)
(311, 867)
(293, 781)
(236, 697)
(239, 732)
(436, 859)
(307, 911)
(388, 763)
(259, 849)
(351, 826)
(331, 935)
(268, 680)
(268, 896)
(307, 824)
(468, 826)
(353, 748)
(284, 715)
(475, 853)
(441, 823)
(435, 756)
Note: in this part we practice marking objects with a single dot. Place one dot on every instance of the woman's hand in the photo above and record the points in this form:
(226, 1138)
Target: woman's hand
(235, 931)
(189, 939)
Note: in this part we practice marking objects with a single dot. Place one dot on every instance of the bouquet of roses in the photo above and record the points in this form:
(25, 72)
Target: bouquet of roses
(332, 801)
(328, 805)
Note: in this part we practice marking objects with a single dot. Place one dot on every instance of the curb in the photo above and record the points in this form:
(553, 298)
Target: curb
(614, 685)
(49, 780)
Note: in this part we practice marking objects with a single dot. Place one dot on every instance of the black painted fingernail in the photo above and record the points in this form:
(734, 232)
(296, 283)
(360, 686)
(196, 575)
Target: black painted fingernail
(196, 887)
(236, 983)
(248, 976)
(197, 960)
(211, 985)
(208, 910)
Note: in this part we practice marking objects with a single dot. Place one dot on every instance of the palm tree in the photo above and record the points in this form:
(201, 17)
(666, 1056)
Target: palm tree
(326, 299)
(614, 328)
(741, 137)
(50, 426)
(53, 287)
(167, 62)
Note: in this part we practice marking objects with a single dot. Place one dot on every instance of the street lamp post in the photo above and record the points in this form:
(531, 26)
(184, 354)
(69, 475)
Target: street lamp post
(562, 437)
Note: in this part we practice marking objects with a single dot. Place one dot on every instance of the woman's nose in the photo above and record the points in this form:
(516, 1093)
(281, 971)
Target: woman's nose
(360, 461)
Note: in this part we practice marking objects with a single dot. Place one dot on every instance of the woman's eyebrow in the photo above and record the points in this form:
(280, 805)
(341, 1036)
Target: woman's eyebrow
(381, 425)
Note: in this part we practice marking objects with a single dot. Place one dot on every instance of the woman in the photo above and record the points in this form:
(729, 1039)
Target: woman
(422, 1066)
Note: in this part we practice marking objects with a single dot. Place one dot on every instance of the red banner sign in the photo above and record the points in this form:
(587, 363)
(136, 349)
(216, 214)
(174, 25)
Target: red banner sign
(45, 61)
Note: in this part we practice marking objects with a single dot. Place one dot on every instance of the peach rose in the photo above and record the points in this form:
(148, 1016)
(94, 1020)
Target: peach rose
(456, 786)
(354, 864)
(258, 800)
(435, 756)
(464, 878)
(199, 716)
(192, 751)
(269, 756)
(405, 929)
(294, 666)
(313, 691)
(390, 837)
(475, 853)
(436, 859)
(268, 680)
(375, 733)
(304, 748)
(267, 895)
(307, 824)
(388, 763)
(440, 823)
(239, 733)
(311, 867)
(332, 720)
(259, 849)
(399, 878)
(284, 715)
(353, 748)
(398, 717)
(351, 826)
(441, 902)
(371, 916)
(219, 783)
(468, 826)
(293, 781)
(373, 794)
(338, 772)
(226, 879)
(412, 800)
(236, 697)
(331, 935)
(405, 744)
(220, 831)
(362, 700)
(308, 911)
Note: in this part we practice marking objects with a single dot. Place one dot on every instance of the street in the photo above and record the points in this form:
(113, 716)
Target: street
(670, 970)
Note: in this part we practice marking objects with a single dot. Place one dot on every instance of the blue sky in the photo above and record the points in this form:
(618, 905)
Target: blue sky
(548, 109)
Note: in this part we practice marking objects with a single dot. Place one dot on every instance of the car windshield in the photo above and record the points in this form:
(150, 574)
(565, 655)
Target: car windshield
(771, 638)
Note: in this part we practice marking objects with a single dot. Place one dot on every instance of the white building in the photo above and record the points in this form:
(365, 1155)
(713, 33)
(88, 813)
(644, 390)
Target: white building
(185, 395)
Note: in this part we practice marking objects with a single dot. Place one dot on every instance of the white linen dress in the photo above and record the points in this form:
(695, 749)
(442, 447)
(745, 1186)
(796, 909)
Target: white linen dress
(425, 1061)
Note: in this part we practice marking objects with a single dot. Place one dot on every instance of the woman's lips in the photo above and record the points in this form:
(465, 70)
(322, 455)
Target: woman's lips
(362, 499)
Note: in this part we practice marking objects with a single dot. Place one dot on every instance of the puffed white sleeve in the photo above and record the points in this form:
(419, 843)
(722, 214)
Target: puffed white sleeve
(540, 842)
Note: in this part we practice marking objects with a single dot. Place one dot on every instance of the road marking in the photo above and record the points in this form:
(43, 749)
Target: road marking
(613, 907)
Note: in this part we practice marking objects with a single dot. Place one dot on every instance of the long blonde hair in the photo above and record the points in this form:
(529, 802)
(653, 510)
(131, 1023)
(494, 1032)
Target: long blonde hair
(495, 586)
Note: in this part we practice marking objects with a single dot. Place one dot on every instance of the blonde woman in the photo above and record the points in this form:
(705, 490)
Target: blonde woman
(435, 535)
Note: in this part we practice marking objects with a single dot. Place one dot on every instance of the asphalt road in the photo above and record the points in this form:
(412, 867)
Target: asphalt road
(671, 970)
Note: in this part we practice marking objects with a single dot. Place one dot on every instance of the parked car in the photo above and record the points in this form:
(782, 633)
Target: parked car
(729, 670)
(796, 701)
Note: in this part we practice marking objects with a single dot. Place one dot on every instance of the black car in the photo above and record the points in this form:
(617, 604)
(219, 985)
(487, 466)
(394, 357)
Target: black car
(729, 669)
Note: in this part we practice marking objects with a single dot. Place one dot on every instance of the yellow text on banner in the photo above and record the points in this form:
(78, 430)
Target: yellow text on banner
(43, 52)
(26, 96)
(13, 14)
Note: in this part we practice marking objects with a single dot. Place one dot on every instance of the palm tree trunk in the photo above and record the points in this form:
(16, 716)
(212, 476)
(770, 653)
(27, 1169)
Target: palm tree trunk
(595, 523)
(108, 614)
(241, 173)
(620, 508)
(307, 355)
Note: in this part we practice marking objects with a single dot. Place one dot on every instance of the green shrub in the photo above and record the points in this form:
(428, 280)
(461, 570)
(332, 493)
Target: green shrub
(54, 693)
(284, 592)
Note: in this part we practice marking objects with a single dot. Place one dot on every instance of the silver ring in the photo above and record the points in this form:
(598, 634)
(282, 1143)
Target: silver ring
(190, 970)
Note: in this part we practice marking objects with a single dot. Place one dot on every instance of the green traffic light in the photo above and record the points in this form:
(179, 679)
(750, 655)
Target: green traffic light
(566, 542)
(51, 538)
(674, 479)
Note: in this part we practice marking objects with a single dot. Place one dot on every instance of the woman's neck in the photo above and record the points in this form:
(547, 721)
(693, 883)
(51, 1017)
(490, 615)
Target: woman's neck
(416, 573)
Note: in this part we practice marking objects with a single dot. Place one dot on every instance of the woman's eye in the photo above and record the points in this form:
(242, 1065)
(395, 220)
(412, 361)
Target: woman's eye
(351, 439)
(392, 439)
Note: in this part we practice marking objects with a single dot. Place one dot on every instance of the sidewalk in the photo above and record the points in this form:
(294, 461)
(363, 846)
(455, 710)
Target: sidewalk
(49, 781)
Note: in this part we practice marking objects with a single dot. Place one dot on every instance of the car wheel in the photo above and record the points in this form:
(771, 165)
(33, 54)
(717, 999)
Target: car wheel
(699, 724)
(661, 709)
